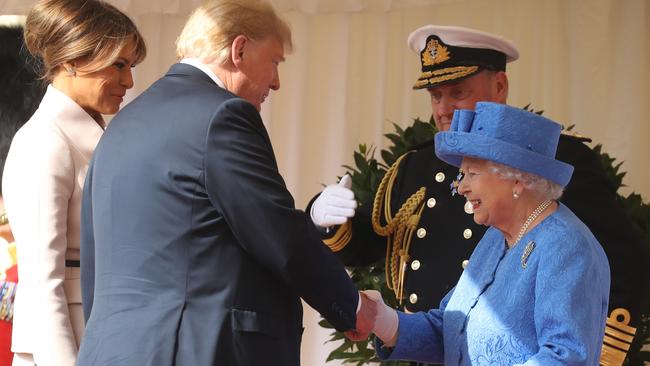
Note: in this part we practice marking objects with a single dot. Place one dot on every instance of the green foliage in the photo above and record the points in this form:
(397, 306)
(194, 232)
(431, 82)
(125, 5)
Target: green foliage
(368, 171)
(366, 176)
(612, 170)
(639, 214)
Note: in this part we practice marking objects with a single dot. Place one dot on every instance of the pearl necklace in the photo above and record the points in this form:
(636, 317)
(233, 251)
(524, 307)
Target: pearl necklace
(538, 211)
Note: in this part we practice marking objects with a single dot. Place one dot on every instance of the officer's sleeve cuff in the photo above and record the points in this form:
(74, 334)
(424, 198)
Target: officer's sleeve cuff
(341, 237)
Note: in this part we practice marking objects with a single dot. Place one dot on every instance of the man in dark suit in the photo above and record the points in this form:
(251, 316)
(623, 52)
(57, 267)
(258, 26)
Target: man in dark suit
(192, 250)
(430, 245)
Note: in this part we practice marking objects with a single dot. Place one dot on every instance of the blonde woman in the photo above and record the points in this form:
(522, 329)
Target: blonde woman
(87, 50)
(20, 94)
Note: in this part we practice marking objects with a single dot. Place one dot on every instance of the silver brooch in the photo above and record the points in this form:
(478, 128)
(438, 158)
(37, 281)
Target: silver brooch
(456, 183)
(524, 257)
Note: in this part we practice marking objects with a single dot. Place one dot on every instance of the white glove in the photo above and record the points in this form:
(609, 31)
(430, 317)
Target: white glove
(387, 322)
(335, 205)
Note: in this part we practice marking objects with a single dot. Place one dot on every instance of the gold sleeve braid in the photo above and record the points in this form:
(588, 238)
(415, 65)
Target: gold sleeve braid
(398, 230)
(341, 237)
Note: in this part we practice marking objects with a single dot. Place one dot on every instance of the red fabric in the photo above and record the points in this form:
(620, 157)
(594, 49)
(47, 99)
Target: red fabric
(12, 274)
(6, 356)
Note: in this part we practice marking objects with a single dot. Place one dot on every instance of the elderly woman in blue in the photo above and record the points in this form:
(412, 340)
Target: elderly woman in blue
(536, 288)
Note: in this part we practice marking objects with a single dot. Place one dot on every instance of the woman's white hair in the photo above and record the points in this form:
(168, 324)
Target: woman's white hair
(549, 190)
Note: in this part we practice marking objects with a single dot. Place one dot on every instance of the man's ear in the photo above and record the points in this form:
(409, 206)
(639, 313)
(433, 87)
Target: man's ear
(237, 50)
(501, 86)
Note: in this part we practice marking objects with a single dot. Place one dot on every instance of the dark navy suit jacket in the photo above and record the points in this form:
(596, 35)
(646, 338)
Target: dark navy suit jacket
(192, 250)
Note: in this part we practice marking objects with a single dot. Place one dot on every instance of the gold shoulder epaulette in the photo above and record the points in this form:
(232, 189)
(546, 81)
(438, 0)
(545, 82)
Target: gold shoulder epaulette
(576, 136)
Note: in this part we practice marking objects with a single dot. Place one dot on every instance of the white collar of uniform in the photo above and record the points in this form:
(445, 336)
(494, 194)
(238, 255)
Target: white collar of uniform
(203, 67)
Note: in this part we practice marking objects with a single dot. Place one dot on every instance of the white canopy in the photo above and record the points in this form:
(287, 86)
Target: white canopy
(183, 7)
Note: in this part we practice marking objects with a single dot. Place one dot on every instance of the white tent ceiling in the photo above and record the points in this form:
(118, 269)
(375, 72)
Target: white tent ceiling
(182, 7)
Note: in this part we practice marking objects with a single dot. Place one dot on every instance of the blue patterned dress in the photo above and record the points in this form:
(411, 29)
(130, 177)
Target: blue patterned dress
(543, 302)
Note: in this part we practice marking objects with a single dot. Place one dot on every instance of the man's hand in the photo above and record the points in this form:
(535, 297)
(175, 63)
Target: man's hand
(365, 319)
(335, 205)
(387, 322)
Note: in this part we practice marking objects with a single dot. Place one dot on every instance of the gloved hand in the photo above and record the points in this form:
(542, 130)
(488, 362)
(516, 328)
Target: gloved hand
(335, 205)
(386, 322)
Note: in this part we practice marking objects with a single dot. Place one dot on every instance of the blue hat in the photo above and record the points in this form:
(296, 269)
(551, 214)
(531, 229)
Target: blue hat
(506, 135)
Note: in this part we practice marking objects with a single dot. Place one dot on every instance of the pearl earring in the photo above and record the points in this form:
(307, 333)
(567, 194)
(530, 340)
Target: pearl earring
(515, 195)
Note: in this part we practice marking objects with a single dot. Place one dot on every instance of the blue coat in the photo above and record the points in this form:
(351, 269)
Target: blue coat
(552, 312)
(192, 250)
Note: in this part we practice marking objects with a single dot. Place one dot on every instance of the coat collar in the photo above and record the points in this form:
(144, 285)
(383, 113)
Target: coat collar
(82, 131)
(204, 68)
(190, 71)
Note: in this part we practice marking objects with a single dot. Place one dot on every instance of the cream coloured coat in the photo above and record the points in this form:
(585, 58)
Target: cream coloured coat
(42, 188)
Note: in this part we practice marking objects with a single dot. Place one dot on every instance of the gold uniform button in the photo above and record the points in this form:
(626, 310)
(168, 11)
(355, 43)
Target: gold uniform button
(413, 298)
(469, 209)
(467, 233)
(431, 202)
(464, 264)
(421, 233)
(415, 265)
(440, 177)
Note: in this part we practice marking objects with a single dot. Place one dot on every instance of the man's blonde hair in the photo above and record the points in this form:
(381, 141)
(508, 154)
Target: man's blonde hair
(211, 29)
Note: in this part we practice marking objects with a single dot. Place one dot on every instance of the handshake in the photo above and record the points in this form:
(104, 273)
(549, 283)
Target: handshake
(376, 317)
(334, 206)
